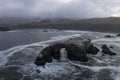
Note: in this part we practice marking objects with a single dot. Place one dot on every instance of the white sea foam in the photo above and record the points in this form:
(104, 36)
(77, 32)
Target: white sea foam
(86, 32)
(109, 41)
(52, 69)
(96, 68)
(74, 31)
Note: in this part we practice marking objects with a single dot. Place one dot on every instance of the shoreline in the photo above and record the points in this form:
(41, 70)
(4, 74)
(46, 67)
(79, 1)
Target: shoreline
(3, 29)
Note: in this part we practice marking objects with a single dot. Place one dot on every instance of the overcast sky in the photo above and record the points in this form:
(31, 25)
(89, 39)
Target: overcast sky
(60, 8)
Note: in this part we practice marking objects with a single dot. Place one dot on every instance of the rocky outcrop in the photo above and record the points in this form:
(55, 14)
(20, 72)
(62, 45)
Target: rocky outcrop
(92, 50)
(77, 49)
(44, 56)
(76, 53)
(106, 50)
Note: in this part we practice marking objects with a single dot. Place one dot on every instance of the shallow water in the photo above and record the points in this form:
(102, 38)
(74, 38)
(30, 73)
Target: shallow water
(17, 63)
(22, 37)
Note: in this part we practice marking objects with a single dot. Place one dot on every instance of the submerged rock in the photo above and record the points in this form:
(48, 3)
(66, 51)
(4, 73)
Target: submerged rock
(106, 50)
(108, 36)
(76, 49)
(118, 35)
(111, 47)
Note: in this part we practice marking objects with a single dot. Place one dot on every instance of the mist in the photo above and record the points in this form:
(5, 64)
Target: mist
(60, 8)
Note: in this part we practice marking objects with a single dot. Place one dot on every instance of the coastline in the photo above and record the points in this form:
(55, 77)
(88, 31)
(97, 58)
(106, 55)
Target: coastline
(92, 28)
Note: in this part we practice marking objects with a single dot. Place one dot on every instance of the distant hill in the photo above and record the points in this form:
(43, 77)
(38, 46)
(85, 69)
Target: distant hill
(7, 23)
(110, 24)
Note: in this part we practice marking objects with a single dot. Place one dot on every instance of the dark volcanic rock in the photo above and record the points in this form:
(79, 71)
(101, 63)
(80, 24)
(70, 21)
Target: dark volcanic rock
(106, 50)
(92, 50)
(76, 53)
(56, 50)
(77, 49)
(73, 51)
(44, 56)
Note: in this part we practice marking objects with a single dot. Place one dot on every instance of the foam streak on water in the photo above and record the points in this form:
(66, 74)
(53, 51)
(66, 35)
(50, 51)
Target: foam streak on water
(96, 68)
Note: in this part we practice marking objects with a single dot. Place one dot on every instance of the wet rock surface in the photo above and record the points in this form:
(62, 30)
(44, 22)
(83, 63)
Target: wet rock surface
(106, 50)
(92, 50)
(77, 49)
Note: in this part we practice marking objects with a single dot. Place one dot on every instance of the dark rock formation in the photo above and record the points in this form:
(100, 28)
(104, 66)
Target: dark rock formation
(38, 71)
(73, 52)
(76, 53)
(45, 56)
(77, 49)
(56, 50)
(106, 50)
(92, 50)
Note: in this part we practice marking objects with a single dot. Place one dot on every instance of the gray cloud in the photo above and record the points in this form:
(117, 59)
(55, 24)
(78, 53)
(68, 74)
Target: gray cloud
(60, 8)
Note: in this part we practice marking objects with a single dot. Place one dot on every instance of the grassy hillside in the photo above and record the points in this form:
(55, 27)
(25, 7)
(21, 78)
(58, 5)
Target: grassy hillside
(111, 24)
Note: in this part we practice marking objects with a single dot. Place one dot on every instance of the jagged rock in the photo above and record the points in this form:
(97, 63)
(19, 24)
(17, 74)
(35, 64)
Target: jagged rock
(44, 56)
(73, 52)
(77, 49)
(56, 50)
(76, 53)
(92, 49)
(106, 50)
